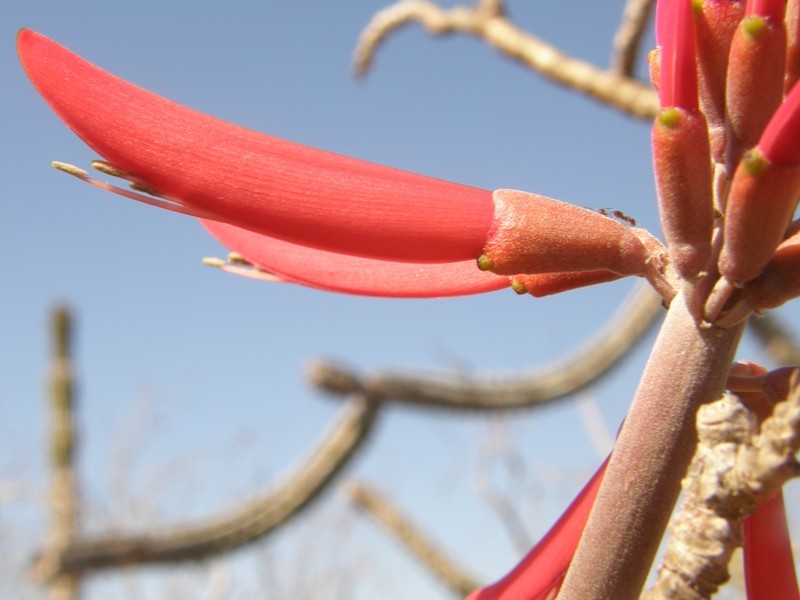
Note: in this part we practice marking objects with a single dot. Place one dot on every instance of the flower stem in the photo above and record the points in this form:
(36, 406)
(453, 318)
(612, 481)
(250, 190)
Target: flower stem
(688, 367)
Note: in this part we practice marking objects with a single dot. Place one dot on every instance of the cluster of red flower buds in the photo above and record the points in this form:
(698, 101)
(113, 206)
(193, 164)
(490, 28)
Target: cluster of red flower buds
(726, 148)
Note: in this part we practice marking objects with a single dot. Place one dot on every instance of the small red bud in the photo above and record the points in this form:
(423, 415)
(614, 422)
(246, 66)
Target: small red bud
(682, 161)
(547, 284)
(715, 23)
(761, 202)
(756, 72)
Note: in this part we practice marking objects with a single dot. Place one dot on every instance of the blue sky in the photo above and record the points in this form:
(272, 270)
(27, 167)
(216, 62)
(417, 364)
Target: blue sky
(188, 371)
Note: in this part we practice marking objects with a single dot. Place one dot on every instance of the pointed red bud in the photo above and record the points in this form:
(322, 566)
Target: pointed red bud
(534, 234)
(547, 284)
(762, 199)
(756, 71)
(779, 281)
(258, 182)
(682, 163)
(347, 274)
(768, 563)
(715, 23)
(541, 573)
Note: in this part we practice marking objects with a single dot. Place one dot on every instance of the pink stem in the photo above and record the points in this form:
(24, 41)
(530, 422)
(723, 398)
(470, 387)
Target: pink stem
(688, 367)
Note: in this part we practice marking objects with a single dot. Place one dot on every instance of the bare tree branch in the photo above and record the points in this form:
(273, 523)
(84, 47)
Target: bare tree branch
(487, 22)
(735, 466)
(552, 382)
(497, 450)
(635, 18)
(412, 538)
(776, 339)
(244, 524)
(63, 441)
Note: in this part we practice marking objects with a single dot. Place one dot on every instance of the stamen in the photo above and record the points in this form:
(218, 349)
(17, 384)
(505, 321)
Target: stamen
(70, 169)
(212, 261)
(108, 169)
(249, 272)
(146, 189)
(235, 258)
(164, 202)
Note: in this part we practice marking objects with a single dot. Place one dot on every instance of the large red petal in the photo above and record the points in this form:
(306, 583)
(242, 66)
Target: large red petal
(256, 181)
(355, 275)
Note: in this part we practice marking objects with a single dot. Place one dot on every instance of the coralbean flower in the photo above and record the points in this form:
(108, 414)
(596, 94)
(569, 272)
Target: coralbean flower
(312, 217)
(726, 147)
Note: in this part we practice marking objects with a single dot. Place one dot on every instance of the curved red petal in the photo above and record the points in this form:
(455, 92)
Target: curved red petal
(675, 36)
(780, 142)
(768, 562)
(256, 181)
(541, 572)
(356, 275)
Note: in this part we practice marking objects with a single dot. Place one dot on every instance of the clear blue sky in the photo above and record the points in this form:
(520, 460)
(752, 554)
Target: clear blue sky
(213, 362)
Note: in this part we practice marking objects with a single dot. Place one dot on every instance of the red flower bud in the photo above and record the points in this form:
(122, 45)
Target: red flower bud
(756, 71)
(682, 162)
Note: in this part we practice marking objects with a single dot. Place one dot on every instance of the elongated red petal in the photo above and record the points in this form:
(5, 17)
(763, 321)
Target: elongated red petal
(353, 274)
(675, 36)
(541, 572)
(256, 181)
(780, 141)
(768, 562)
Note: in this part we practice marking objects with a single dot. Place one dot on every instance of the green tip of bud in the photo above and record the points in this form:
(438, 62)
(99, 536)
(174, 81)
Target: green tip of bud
(485, 263)
(518, 287)
(754, 162)
(754, 25)
(668, 117)
(697, 6)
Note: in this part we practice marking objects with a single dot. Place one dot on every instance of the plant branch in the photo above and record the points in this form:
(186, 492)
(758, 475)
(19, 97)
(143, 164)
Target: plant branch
(412, 538)
(688, 367)
(776, 339)
(63, 496)
(734, 468)
(487, 22)
(635, 18)
(554, 381)
(243, 525)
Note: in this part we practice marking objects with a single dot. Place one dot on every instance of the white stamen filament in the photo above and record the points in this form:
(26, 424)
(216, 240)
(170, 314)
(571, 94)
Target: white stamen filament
(164, 202)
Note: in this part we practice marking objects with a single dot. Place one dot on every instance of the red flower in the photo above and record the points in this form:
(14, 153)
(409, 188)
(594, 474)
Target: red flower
(314, 217)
